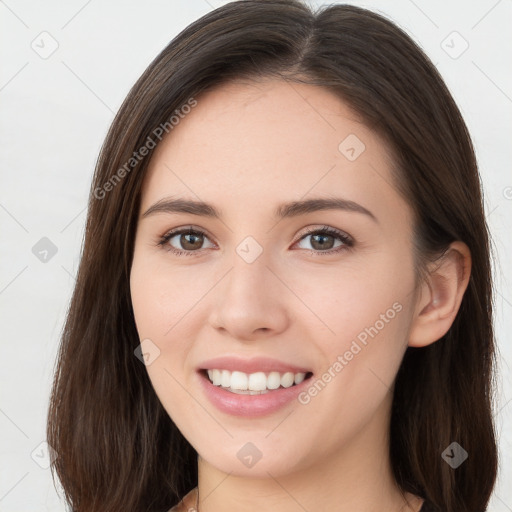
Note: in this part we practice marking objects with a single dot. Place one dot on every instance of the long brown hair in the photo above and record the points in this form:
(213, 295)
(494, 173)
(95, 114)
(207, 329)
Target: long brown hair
(117, 449)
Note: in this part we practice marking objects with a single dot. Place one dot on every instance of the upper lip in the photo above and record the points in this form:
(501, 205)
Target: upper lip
(252, 365)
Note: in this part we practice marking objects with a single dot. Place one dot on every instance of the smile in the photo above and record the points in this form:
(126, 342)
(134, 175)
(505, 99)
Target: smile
(253, 383)
(249, 403)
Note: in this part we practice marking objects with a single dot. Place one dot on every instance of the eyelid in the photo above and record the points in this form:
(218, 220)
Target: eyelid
(324, 228)
(185, 228)
(308, 230)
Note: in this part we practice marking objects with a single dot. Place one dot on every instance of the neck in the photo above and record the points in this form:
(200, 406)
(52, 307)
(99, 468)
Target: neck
(355, 478)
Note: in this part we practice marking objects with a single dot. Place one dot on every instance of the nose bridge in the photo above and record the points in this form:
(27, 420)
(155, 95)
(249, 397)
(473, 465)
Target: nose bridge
(248, 300)
(249, 281)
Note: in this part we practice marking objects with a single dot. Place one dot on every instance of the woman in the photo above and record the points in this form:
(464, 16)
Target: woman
(284, 297)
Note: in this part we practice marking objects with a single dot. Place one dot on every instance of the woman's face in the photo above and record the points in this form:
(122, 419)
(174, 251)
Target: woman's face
(265, 280)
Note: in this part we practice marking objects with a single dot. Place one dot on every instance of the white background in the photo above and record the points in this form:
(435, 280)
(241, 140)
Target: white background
(54, 116)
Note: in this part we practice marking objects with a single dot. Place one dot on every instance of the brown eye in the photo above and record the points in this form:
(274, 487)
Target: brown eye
(184, 241)
(322, 242)
(325, 239)
(191, 241)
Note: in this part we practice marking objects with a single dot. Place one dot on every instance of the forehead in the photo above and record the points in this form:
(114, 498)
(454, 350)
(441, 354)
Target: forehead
(249, 141)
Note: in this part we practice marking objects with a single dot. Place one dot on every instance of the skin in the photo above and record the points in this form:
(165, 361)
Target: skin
(246, 148)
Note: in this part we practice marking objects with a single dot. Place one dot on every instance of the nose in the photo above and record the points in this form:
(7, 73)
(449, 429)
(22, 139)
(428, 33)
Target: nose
(251, 302)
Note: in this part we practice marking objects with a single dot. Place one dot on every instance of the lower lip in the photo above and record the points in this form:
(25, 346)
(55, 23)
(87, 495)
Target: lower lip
(250, 405)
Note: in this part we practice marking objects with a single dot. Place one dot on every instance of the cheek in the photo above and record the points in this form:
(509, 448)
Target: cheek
(167, 309)
(353, 301)
(367, 311)
(162, 297)
(160, 308)
(360, 360)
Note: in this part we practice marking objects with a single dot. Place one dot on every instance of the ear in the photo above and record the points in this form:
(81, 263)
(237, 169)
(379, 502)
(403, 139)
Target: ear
(440, 296)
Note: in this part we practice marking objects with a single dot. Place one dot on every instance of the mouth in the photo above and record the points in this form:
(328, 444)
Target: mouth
(257, 383)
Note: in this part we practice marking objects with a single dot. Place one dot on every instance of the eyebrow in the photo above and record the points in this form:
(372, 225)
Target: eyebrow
(286, 210)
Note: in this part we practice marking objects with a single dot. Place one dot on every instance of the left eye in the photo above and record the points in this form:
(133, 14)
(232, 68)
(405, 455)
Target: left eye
(322, 241)
(189, 239)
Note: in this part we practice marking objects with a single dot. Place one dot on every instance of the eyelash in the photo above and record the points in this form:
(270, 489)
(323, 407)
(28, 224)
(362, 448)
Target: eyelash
(326, 230)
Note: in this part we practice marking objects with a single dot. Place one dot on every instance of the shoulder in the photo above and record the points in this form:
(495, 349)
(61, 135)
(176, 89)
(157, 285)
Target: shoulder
(187, 503)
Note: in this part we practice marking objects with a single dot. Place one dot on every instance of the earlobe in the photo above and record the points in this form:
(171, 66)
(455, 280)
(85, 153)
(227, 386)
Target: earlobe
(440, 296)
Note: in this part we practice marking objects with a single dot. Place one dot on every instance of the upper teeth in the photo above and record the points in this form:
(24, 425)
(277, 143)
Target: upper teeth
(258, 381)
